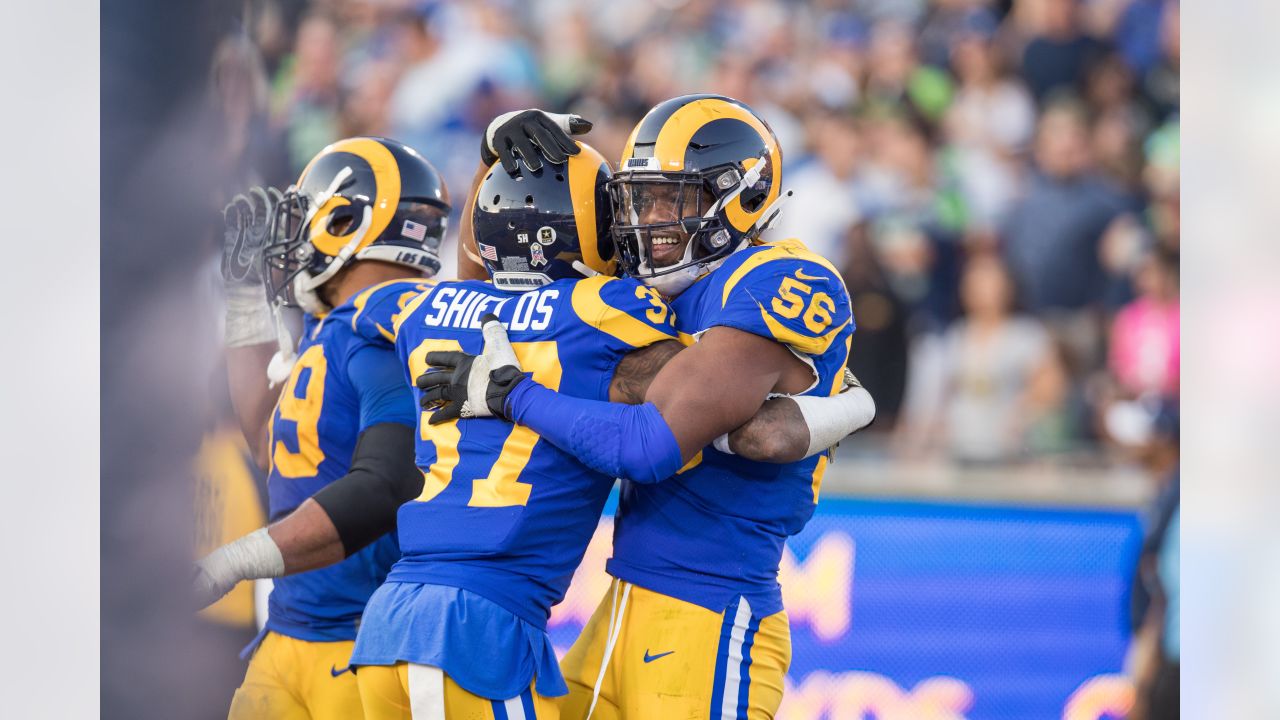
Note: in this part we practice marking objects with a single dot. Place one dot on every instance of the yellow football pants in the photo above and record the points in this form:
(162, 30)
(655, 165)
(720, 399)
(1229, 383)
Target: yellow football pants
(290, 679)
(671, 659)
(405, 691)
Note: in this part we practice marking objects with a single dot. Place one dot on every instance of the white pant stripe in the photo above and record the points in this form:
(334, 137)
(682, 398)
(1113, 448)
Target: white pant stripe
(426, 692)
(514, 708)
(733, 663)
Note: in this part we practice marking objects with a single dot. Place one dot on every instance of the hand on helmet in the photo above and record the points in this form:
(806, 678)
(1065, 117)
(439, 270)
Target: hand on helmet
(246, 226)
(461, 385)
(531, 135)
(246, 222)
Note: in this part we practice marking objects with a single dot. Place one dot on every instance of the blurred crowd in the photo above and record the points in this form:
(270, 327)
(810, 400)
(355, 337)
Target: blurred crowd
(998, 180)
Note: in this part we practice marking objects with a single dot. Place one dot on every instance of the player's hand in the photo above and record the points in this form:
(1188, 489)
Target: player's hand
(251, 557)
(206, 589)
(531, 135)
(246, 223)
(246, 226)
(461, 385)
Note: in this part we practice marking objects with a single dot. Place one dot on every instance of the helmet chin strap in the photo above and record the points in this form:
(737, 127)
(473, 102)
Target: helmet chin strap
(283, 361)
(771, 211)
(586, 270)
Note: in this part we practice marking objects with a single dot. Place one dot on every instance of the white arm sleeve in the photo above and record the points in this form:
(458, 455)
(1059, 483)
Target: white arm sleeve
(829, 419)
(832, 419)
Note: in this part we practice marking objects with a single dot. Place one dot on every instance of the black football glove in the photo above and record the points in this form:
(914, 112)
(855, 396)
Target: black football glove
(531, 135)
(461, 385)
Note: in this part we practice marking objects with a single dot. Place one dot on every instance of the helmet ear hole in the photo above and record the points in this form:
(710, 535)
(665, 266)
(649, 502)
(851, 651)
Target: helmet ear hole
(753, 198)
(342, 220)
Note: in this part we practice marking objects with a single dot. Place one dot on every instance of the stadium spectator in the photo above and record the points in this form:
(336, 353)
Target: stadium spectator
(1060, 54)
(307, 99)
(989, 124)
(249, 151)
(1001, 387)
(825, 205)
(1144, 354)
(1052, 236)
(897, 76)
(916, 132)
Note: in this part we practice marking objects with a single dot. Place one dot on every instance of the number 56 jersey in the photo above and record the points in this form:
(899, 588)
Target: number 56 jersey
(716, 530)
(502, 513)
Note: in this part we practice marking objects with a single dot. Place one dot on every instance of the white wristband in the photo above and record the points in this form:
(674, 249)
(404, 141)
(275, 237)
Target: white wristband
(251, 557)
(832, 419)
(248, 320)
(722, 444)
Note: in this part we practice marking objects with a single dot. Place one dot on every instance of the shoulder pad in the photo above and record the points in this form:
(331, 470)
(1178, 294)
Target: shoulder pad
(786, 293)
(625, 309)
(377, 308)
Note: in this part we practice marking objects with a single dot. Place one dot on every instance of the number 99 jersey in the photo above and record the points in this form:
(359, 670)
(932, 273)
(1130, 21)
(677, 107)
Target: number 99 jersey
(716, 530)
(502, 513)
(346, 380)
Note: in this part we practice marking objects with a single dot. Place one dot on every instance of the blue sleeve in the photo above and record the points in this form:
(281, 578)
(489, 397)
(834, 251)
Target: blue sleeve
(378, 379)
(594, 432)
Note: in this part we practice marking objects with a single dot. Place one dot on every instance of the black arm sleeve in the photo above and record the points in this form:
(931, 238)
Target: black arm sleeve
(363, 503)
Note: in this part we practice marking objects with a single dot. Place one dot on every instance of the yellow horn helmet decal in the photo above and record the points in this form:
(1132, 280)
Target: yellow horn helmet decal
(386, 175)
(673, 140)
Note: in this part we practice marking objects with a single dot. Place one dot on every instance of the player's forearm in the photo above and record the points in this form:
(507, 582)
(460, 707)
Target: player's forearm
(776, 433)
(341, 519)
(626, 441)
(307, 539)
(793, 428)
(303, 540)
(251, 397)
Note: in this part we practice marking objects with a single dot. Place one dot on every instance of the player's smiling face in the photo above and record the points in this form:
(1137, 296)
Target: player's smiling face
(664, 205)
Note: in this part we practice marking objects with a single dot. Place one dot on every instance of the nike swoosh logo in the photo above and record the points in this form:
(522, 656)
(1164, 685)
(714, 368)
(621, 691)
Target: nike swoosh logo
(650, 658)
(334, 671)
(801, 276)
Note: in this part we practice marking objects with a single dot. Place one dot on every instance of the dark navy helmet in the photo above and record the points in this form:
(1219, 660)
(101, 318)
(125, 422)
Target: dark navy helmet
(532, 226)
(362, 198)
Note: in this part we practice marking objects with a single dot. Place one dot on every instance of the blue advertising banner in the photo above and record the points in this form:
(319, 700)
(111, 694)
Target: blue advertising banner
(940, 611)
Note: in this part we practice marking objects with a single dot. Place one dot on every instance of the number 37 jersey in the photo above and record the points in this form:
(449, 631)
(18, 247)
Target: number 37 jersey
(502, 513)
(716, 530)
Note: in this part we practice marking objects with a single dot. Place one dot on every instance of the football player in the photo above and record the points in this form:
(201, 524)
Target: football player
(350, 243)
(694, 624)
(502, 519)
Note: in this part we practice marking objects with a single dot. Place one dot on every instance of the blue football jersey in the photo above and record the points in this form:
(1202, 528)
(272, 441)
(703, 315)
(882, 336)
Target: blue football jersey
(331, 396)
(503, 513)
(717, 529)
